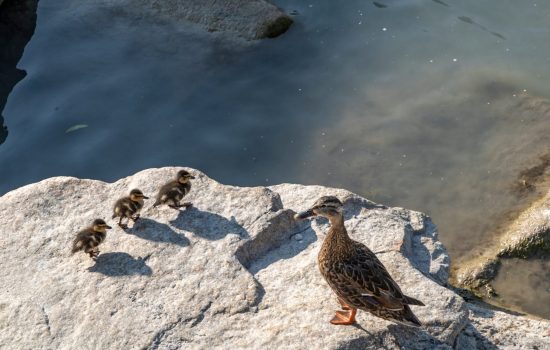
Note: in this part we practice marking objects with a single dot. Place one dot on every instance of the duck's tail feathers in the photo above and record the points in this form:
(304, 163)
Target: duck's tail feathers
(408, 318)
(412, 301)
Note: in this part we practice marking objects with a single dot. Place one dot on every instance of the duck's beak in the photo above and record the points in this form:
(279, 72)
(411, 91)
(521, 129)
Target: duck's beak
(304, 215)
(108, 227)
(191, 177)
(145, 197)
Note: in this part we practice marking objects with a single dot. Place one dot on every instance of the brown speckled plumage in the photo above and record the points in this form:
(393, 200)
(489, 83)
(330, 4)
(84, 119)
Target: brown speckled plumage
(355, 274)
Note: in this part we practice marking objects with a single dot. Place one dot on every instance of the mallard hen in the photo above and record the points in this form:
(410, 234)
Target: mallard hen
(355, 274)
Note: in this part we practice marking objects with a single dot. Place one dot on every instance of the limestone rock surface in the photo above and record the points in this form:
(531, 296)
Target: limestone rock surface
(233, 271)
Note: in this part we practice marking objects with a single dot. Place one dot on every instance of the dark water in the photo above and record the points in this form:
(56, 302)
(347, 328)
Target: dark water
(431, 105)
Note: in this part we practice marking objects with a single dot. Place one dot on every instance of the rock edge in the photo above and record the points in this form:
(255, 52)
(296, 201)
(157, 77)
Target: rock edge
(203, 278)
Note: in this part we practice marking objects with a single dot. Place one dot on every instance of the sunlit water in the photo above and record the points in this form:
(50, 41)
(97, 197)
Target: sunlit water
(423, 105)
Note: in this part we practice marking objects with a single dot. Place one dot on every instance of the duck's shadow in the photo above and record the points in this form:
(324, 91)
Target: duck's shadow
(207, 225)
(406, 337)
(120, 264)
(154, 231)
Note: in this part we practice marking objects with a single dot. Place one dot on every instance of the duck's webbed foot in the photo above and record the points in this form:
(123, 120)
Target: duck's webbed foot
(344, 318)
(123, 226)
(181, 205)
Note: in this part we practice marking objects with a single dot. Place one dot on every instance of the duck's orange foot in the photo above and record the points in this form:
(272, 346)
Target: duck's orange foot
(344, 318)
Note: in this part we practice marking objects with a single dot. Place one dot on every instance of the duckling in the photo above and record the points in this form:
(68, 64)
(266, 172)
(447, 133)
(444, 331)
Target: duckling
(90, 238)
(129, 207)
(354, 273)
(173, 192)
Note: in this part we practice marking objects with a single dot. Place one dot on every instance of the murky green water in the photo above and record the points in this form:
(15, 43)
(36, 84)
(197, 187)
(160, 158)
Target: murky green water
(435, 106)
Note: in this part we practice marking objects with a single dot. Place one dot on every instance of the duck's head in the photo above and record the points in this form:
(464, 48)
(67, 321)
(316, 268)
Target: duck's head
(100, 225)
(329, 207)
(136, 195)
(184, 176)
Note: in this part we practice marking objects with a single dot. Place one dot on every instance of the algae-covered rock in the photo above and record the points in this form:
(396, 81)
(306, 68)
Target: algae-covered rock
(527, 236)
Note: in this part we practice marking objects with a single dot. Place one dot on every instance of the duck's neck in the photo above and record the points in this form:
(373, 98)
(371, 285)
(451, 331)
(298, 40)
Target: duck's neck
(337, 232)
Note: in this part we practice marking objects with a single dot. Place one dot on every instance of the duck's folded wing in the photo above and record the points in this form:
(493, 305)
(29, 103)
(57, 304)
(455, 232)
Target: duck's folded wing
(366, 282)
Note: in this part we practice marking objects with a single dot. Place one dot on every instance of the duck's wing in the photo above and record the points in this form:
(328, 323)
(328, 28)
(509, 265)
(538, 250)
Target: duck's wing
(365, 282)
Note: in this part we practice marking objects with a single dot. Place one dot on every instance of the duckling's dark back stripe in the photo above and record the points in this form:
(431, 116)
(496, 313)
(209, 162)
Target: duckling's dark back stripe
(331, 200)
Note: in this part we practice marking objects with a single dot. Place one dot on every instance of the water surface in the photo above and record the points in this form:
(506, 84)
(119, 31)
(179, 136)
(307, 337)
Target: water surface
(435, 106)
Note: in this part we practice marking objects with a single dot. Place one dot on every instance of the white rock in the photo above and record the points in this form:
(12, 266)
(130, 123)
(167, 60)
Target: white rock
(222, 274)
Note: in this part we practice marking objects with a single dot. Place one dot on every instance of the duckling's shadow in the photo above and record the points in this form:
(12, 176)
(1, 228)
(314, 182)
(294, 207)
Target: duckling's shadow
(207, 225)
(120, 264)
(152, 230)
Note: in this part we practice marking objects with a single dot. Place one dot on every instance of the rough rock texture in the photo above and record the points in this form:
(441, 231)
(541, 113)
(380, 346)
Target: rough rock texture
(527, 236)
(249, 19)
(234, 271)
(511, 332)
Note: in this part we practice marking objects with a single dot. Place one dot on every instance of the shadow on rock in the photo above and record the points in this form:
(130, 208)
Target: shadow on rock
(154, 231)
(296, 239)
(354, 205)
(120, 264)
(207, 225)
(422, 258)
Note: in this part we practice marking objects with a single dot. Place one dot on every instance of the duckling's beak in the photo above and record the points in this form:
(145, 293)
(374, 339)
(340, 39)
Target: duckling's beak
(304, 215)
(145, 197)
(191, 177)
(108, 227)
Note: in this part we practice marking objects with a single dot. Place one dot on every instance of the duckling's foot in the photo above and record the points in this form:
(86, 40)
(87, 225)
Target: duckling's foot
(123, 226)
(135, 218)
(94, 254)
(344, 318)
(182, 205)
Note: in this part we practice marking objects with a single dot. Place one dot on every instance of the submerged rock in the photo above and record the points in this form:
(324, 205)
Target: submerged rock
(248, 19)
(526, 237)
(226, 273)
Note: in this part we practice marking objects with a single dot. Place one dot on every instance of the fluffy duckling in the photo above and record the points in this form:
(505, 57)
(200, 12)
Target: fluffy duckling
(90, 238)
(129, 207)
(173, 192)
(355, 274)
